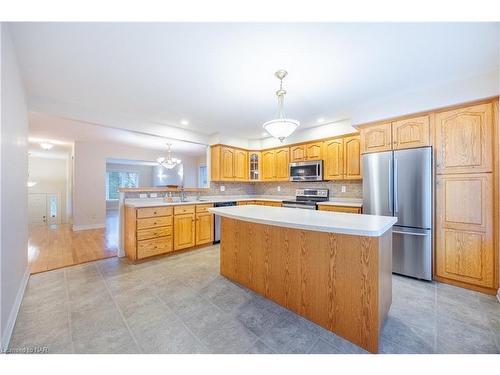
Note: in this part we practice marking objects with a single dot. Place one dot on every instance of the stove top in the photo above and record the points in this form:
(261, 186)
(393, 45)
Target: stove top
(302, 202)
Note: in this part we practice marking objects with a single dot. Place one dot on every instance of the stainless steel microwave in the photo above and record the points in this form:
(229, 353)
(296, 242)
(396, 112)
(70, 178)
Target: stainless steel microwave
(306, 171)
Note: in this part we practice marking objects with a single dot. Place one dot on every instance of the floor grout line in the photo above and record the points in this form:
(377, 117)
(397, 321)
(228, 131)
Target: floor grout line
(68, 310)
(119, 310)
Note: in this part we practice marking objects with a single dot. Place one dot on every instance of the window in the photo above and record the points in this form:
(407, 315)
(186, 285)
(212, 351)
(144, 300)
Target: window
(203, 177)
(116, 180)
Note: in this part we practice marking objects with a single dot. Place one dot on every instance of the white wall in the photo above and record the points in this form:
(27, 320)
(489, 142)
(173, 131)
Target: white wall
(14, 167)
(51, 176)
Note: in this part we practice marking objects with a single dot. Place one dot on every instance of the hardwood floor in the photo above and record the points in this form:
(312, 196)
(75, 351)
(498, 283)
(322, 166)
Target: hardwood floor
(56, 246)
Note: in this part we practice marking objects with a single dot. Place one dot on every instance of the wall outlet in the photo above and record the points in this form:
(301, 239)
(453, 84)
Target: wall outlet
(153, 195)
(143, 195)
(279, 188)
(344, 189)
(222, 188)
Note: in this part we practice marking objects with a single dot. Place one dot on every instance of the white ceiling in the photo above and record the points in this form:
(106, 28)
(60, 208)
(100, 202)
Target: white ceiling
(64, 132)
(220, 76)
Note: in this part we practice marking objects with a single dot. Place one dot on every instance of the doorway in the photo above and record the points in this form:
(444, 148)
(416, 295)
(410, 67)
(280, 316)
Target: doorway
(44, 208)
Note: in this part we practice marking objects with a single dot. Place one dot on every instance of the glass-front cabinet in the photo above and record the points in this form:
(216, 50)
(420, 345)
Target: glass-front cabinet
(254, 163)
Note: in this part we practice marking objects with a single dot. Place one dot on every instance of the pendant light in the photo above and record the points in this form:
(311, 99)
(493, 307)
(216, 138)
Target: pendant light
(168, 162)
(281, 127)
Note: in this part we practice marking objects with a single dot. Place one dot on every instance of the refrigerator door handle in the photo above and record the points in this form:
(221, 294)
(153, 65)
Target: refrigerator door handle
(395, 185)
(390, 187)
(410, 233)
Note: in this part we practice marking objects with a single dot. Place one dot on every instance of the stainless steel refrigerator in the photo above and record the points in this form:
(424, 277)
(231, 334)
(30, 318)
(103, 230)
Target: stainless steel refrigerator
(399, 183)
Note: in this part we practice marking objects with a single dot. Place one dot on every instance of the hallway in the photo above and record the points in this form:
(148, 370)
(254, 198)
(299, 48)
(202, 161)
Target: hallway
(55, 246)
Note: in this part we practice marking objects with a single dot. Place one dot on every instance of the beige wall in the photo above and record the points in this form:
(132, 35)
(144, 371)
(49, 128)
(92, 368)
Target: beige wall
(14, 202)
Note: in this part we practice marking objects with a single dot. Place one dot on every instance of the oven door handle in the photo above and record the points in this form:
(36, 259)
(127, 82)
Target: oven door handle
(290, 205)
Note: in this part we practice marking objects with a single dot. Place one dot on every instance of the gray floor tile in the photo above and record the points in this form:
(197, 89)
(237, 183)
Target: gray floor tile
(323, 347)
(286, 337)
(260, 348)
(411, 339)
(255, 318)
(231, 338)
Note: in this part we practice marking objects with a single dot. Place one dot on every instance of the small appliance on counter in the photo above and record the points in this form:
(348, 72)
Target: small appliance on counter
(217, 219)
(306, 171)
(307, 198)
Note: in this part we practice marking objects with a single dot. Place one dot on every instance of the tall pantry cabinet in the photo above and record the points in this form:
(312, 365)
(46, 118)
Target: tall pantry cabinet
(465, 150)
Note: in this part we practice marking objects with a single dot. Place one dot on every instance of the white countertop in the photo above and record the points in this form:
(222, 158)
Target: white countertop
(320, 221)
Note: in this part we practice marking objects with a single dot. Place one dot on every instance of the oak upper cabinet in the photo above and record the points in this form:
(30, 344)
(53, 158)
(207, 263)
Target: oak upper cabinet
(464, 140)
(464, 234)
(411, 133)
(184, 228)
(376, 138)
(254, 162)
(228, 164)
(333, 154)
(275, 164)
(281, 164)
(240, 165)
(314, 151)
(352, 158)
(204, 225)
(268, 165)
(298, 153)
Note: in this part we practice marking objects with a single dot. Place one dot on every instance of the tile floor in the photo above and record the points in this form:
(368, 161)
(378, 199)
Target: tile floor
(180, 304)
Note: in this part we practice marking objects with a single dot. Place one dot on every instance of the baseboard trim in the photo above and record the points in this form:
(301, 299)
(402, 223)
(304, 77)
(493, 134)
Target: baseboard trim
(13, 313)
(498, 294)
(88, 226)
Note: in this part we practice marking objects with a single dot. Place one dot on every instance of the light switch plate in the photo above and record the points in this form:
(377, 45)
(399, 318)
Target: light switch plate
(344, 189)
(222, 188)
(153, 195)
(143, 195)
(279, 188)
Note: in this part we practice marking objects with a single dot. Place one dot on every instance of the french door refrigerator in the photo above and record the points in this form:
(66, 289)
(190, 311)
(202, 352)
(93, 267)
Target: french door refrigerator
(399, 183)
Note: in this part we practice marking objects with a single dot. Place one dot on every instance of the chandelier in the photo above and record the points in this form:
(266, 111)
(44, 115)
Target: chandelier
(168, 162)
(281, 127)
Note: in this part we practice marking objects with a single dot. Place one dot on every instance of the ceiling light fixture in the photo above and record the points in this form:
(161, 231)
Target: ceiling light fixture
(184, 122)
(281, 127)
(321, 120)
(169, 162)
(46, 145)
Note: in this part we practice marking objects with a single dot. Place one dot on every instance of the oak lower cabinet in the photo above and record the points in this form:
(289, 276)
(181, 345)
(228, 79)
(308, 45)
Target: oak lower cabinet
(184, 231)
(204, 228)
(346, 209)
(464, 140)
(465, 250)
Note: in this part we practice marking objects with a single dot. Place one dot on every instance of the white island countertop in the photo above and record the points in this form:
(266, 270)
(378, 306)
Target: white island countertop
(320, 221)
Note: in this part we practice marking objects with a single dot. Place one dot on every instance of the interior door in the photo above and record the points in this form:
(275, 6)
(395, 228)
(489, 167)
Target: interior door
(37, 208)
(53, 209)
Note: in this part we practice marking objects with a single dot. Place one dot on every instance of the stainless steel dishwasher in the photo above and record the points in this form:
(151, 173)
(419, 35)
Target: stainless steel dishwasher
(217, 219)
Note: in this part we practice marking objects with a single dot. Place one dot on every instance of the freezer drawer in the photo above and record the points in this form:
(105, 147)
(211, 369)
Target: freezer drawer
(412, 252)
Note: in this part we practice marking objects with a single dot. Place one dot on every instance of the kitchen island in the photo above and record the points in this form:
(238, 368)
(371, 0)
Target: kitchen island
(334, 269)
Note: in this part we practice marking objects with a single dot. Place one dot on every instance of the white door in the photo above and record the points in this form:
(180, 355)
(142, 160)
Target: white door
(53, 209)
(37, 208)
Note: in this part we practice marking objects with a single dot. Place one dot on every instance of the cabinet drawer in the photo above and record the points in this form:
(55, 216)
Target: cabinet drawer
(145, 234)
(156, 246)
(203, 207)
(188, 209)
(153, 211)
(352, 210)
(153, 222)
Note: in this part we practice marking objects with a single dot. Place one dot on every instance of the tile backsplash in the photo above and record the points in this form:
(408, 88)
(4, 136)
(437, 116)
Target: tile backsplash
(354, 189)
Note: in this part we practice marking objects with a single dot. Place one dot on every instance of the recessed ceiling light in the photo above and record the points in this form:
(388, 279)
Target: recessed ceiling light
(265, 134)
(46, 145)
(184, 122)
(320, 120)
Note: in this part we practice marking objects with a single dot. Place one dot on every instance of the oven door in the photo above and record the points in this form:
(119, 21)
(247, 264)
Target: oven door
(306, 171)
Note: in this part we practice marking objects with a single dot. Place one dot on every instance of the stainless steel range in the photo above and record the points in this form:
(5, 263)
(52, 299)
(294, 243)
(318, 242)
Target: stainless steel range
(307, 198)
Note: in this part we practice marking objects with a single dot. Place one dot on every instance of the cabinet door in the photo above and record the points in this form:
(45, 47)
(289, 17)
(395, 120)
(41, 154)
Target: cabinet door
(240, 165)
(464, 140)
(184, 231)
(346, 209)
(215, 163)
(204, 228)
(333, 154)
(352, 158)
(227, 164)
(268, 165)
(376, 138)
(464, 228)
(298, 153)
(313, 151)
(254, 162)
(282, 161)
(411, 133)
